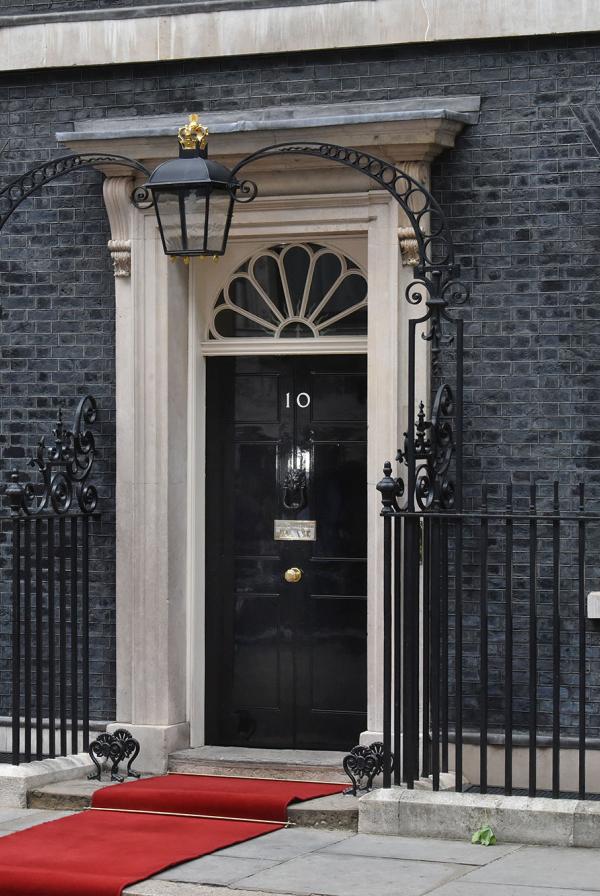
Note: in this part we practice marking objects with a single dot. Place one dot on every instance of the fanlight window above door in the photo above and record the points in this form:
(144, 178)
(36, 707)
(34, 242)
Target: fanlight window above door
(291, 291)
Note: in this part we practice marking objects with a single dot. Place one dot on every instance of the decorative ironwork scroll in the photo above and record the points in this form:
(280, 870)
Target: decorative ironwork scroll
(434, 447)
(244, 191)
(64, 464)
(118, 747)
(432, 450)
(19, 189)
(431, 444)
(362, 765)
(436, 250)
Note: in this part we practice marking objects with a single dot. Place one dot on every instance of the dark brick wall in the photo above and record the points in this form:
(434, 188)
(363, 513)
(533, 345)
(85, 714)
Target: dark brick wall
(56, 344)
(168, 7)
(521, 189)
(30, 7)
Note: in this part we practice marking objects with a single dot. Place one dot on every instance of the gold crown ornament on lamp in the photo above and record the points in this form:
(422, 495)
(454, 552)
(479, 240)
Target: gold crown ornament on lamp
(193, 135)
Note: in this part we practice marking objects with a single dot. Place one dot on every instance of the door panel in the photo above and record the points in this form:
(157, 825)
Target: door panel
(339, 649)
(286, 662)
(256, 630)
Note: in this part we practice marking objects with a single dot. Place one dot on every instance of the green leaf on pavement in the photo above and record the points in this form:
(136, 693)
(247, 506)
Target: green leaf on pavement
(484, 836)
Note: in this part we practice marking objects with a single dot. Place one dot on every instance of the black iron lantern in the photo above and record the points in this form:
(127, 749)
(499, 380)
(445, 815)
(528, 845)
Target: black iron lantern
(193, 197)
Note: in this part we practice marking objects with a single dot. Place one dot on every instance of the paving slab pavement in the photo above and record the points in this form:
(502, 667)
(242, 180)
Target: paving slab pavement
(155, 887)
(304, 862)
(543, 866)
(425, 850)
(309, 862)
(331, 875)
(287, 843)
(461, 888)
(215, 869)
(13, 820)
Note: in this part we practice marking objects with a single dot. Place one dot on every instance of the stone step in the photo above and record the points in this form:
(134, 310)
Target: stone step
(338, 812)
(334, 812)
(245, 762)
(75, 794)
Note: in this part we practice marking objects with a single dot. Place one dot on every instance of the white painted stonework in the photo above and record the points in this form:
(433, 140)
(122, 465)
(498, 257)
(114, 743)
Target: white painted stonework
(162, 315)
(283, 29)
(156, 742)
(593, 605)
(17, 780)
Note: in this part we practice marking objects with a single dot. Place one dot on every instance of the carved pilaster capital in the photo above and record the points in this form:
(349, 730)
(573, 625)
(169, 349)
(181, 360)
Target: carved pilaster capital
(117, 199)
(409, 246)
(120, 251)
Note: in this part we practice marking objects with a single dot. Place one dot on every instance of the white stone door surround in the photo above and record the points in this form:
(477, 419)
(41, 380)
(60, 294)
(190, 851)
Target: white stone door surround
(161, 349)
(161, 345)
(364, 227)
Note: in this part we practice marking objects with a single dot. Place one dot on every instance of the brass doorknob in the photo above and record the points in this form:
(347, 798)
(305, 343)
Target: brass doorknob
(293, 574)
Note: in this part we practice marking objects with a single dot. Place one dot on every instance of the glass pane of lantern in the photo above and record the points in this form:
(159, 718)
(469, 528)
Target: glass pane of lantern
(195, 213)
(219, 207)
(168, 209)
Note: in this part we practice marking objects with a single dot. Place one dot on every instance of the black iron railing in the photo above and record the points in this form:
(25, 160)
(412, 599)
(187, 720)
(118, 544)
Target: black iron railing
(49, 641)
(47, 587)
(488, 648)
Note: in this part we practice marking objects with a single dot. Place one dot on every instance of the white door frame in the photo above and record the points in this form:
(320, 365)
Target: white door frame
(363, 226)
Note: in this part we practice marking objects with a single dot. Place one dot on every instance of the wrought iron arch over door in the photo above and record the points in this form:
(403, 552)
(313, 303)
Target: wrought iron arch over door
(292, 290)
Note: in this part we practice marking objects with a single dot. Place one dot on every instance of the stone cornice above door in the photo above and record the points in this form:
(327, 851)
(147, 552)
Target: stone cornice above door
(415, 130)
(408, 133)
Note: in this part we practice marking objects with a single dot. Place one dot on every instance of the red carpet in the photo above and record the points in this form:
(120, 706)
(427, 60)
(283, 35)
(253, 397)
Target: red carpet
(96, 853)
(212, 795)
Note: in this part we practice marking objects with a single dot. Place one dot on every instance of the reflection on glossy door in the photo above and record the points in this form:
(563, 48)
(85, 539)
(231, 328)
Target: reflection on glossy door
(286, 654)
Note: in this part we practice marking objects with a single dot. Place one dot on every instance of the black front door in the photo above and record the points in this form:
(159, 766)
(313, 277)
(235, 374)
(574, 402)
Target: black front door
(286, 442)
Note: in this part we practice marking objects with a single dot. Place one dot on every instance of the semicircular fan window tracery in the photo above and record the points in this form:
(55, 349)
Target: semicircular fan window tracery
(292, 291)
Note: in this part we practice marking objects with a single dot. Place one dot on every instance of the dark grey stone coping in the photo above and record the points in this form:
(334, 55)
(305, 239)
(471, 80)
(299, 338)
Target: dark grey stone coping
(155, 9)
(457, 108)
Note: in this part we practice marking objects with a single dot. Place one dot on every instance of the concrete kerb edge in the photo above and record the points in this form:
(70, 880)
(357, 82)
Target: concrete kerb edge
(17, 780)
(455, 816)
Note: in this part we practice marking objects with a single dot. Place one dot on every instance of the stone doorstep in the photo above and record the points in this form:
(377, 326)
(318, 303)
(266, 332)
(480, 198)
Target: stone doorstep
(295, 765)
(455, 816)
(336, 812)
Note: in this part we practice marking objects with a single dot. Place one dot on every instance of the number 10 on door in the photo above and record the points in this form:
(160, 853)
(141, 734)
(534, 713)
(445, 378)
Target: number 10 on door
(302, 399)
